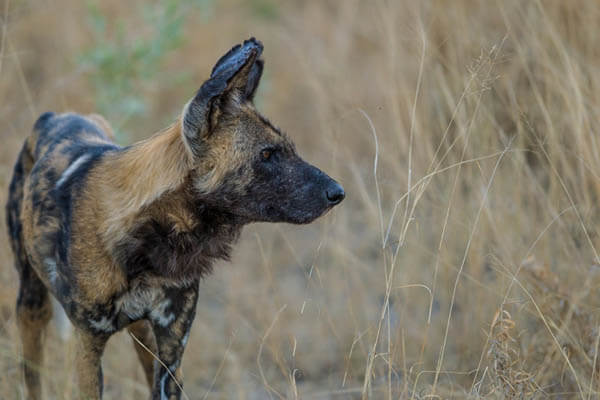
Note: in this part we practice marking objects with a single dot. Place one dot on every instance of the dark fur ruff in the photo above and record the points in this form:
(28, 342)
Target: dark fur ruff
(157, 247)
(121, 236)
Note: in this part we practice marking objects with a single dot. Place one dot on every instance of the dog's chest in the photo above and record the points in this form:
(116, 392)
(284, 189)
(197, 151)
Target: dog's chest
(135, 304)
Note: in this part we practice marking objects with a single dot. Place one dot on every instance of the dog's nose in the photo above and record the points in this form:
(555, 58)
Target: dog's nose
(335, 193)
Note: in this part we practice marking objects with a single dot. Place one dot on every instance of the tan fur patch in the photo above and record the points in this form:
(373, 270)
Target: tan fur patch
(127, 181)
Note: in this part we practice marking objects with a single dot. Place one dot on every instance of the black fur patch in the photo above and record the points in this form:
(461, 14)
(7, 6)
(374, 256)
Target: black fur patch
(33, 295)
(155, 246)
(13, 205)
(40, 124)
(235, 58)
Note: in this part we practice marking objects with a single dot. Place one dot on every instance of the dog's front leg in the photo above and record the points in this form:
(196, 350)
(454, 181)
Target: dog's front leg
(171, 322)
(90, 347)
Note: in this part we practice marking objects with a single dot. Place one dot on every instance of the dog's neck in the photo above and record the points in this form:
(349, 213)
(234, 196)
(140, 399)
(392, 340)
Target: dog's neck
(154, 221)
(178, 237)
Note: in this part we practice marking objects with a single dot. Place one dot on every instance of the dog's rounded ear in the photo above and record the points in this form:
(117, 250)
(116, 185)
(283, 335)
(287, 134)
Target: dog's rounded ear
(245, 60)
(234, 79)
(254, 79)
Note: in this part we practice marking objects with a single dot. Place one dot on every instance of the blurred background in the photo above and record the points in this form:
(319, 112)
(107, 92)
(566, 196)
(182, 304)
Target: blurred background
(463, 262)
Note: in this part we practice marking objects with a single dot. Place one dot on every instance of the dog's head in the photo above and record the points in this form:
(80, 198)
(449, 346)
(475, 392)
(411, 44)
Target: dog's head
(243, 163)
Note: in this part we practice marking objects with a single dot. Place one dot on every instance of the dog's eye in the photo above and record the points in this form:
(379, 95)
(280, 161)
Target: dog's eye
(266, 154)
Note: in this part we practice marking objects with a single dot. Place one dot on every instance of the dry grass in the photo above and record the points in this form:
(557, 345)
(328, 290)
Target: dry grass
(462, 263)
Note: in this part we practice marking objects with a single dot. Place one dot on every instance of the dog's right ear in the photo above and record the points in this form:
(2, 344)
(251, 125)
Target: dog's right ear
(234, 79)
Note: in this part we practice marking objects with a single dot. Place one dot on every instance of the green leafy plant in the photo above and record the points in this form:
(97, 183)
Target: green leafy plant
(120, 61)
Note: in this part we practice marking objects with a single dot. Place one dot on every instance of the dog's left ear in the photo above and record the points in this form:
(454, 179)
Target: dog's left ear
(254, 79)
(245, 59)
(233, 80)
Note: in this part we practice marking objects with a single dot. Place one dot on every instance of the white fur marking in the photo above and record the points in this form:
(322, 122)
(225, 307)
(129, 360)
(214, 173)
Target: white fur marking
(51, 270)
(61, 321)
(163, 380)
(185, 338)
(72, 168)
(159, 314)
(104, 324)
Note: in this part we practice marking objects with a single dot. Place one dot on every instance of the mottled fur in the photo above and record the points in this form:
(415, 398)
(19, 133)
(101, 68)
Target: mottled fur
(122, 236)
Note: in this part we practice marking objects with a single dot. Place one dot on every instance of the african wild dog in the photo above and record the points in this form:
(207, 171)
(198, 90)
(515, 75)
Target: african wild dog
(122, 236)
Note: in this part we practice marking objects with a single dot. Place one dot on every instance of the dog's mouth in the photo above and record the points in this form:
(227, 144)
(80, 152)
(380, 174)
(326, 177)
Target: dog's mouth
(306, 217)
